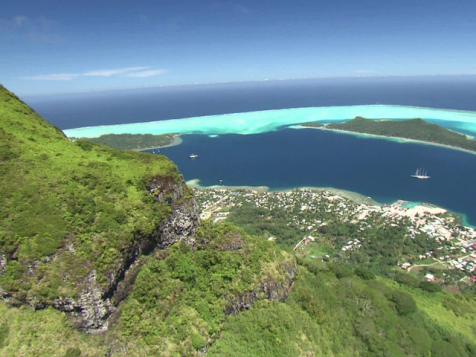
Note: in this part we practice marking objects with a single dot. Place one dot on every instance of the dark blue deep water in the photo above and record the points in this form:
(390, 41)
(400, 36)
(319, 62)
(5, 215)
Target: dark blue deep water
(291, 158)
(129, 106)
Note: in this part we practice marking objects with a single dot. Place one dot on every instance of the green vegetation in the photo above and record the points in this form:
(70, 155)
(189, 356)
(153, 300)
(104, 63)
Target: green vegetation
(382, 246)
(136, 142)
(68, 208)
(350, 316)
(181, 296)
(177, 308)
(259, 221)
(24, 332)
(415, 129)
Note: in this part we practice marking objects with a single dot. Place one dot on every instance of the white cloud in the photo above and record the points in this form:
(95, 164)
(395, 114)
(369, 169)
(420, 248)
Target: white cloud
(132, 72)
(114, 72)
(146, 73)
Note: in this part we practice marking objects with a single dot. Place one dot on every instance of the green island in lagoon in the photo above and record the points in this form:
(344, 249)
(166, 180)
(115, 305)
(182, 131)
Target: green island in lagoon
(136, 142)
(416, 130)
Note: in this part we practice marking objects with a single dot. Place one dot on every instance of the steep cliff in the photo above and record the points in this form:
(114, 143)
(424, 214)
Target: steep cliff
(75, 217)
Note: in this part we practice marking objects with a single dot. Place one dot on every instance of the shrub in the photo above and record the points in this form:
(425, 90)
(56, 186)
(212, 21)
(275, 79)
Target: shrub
(364, 273)
(404, 303)
(342, 270)
(72, 352)
(198, 341)
(4, 330)
(459, 305)
(442, 348)
(430, 287)
(406, 279)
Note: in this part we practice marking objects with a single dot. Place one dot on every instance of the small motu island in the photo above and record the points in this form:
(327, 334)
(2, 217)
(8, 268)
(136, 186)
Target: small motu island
(411, 129)
(136, 142)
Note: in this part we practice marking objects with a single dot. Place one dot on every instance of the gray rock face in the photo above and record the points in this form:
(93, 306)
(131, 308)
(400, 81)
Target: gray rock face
(94, 305)
(91, 309)
(3, 263)
(166, 190)
(183, 223)
(181, 226)
(94, 309)
(3, 268)
(270, 289)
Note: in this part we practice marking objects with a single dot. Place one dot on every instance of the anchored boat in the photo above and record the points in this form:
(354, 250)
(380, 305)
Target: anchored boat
(421, 174)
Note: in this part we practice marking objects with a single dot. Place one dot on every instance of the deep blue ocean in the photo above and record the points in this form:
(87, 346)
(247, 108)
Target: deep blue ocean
(308, 157)
(295, 158)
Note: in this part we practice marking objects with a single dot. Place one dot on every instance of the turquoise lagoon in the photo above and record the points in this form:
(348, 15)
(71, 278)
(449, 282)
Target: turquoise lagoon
(271, 120)
(377, 168)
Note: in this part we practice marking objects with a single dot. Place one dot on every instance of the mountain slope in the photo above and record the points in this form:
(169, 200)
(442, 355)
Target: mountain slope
(88, 230)
(75, 215)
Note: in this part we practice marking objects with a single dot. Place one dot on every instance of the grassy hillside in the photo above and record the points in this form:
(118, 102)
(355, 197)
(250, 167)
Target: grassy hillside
(68, 208)
(330, 312)
(416, 129)
(177, 306)
(334, 312)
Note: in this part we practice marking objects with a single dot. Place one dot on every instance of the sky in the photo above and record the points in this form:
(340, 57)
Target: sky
(61, 46)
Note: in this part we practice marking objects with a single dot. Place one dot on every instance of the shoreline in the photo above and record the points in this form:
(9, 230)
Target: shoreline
(177, 140)
(350, 195)
(397, 139)
(195, 183)
(353, 196)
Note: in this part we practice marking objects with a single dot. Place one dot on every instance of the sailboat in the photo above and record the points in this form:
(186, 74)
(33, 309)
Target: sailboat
(421, 174)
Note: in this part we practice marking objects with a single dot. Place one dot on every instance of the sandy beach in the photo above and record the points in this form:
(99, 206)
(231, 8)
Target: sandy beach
(177, 140)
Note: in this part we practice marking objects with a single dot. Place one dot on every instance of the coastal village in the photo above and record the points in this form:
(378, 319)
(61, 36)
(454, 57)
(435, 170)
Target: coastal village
(448, 245)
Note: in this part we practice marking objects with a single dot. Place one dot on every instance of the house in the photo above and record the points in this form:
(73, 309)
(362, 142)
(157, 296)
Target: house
(430, 278)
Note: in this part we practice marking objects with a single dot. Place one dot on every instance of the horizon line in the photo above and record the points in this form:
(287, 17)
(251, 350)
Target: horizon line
(200, 84)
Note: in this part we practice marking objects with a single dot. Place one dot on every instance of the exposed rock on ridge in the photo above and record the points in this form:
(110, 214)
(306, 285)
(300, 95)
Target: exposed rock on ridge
(95, 304)
(270, 288)
(3, 263)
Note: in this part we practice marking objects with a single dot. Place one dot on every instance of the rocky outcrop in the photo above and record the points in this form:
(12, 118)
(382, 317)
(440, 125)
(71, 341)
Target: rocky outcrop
(181, 226)
(183, 223)
(3, 263)
(91, 309)
(167, 189)
(95, 304)
(270, 288)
